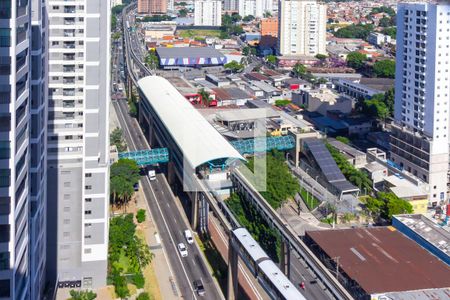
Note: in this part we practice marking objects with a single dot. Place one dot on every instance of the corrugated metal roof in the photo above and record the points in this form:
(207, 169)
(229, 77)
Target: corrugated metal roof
(188, 52)
(196, 138)
(382, 259)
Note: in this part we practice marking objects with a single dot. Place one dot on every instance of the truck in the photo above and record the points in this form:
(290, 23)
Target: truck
(152, 175)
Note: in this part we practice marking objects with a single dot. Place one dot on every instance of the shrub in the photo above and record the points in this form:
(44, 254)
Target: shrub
(140, 216)
(143, 296)
(139, 280)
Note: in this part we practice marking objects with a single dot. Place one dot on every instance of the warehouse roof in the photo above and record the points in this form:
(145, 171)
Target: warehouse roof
(382, 259)
(246, 114)
(188, 52)
(196, 138)
(230, 93)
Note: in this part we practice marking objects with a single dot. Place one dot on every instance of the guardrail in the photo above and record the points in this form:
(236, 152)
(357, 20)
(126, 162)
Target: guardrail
(333, 285)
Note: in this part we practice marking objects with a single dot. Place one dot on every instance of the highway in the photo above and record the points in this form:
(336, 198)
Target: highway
(168, 217)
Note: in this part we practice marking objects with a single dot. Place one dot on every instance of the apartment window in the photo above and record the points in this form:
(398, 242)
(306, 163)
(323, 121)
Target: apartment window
(88, 175)
(88, 187)
(4, 261)
(88, 236)
(87, 212)
(87, 250)
(88, 225)
(67, 209)
(66, 234)
(5, 288)
(66, 221)
(88, 199)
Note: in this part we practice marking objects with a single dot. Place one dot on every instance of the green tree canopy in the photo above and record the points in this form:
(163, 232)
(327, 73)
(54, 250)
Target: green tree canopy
(384, 68)
(248, 18)
(391, 31)
(375, 108)
(321, 56)
(82, 295)
(236, 17)
(152, 60)
(299, 70)
(358, 31)
(182, 12)
(116, 139)
(356, 60)
(124, 174)
(272, 59)
(206, 97)
(234, 66)
(394, 205)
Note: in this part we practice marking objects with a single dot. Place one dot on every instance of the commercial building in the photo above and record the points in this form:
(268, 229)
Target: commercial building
(374, 262)
(378, 39)
(269, 32)
(189, 57)
(323, 100)
(427, 233)
(23, 172)
(78, 142)
(208, 13)
(302, 28)
(420, 135)
(255, 8)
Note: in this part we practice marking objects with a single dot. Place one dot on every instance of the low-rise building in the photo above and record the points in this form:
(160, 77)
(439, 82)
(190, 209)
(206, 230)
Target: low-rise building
(231, 96)
(353, 155)
(269, 32)
(373, 262)
(407, 190)
(323, 100)
(378, 39)
(427, 233)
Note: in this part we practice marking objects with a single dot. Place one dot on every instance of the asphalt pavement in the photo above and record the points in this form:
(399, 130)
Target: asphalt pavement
(167, 216)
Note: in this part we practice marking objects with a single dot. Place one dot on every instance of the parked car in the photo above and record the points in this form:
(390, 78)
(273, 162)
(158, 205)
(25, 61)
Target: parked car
(182, 249)
(136, 187)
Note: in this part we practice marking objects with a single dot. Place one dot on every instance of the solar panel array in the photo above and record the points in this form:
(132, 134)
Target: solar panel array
(324, 159)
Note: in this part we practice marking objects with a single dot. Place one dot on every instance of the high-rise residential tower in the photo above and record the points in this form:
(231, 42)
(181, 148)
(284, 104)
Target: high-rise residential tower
(255, 8)
(143, 7)
(23, 111)
(78, 141)
(208, 13)
(302, 27)
(146, 7)
(420, 135)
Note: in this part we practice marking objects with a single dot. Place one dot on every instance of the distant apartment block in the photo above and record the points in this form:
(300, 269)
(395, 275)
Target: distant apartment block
(255, 8)
(420, 135)
(78, 141)
(302, 28)
(208, 13)
(146, 7)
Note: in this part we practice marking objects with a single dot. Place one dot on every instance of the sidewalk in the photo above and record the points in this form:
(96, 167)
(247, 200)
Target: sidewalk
(300, 223)
(165, 277)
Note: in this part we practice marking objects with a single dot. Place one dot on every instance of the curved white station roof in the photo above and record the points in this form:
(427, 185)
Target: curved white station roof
(194, 135)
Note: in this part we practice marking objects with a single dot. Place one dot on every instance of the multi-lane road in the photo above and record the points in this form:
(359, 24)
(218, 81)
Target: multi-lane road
(168, 217)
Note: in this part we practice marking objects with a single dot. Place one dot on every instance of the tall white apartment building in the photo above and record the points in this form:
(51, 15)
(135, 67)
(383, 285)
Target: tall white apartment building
(78, 141)
(302, 27)
(255, 8)
(208, 13)
(23, 111)
(420, 135)
(231, 5)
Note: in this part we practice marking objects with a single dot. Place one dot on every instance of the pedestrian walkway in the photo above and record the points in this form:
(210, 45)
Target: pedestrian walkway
(300, 222)
(161, 266)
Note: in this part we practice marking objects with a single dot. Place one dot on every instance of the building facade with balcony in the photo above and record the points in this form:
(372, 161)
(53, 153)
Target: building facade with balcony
(420, 135)
(23, 113)
(78, 142)
(302, 28)
(208, 13)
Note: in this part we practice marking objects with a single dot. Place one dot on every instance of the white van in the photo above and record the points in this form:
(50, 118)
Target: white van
(152, 175)
(188, 236)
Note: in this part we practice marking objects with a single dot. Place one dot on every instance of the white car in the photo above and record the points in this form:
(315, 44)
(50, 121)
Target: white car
(182, 249)
(188, 236)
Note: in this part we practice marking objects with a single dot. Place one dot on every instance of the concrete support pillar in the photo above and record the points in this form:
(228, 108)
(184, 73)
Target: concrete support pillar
(170, 173)
(232, 288)
(285, 263)
(194, 209)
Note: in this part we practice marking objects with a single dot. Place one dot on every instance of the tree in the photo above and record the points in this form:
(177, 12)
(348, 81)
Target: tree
(82, 295)
(247, 50)
(321, 56)
(343, 139)
(182, 12)
(394, 205)
(248, 18)
(271, 59)
(384, 68)
(235, 17)
(143, 296)
(375, 108)
(206, 97)
(117, 9)
(113, 22)
(116, 36)
(374, 206)
(152, 60)
(391, 31)
(140, 215)
(387, 22)
(124, 175)
(299, 70)
(356, 60)
(267, 14)
(358, 31)
(116, 139)
(234, 66)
